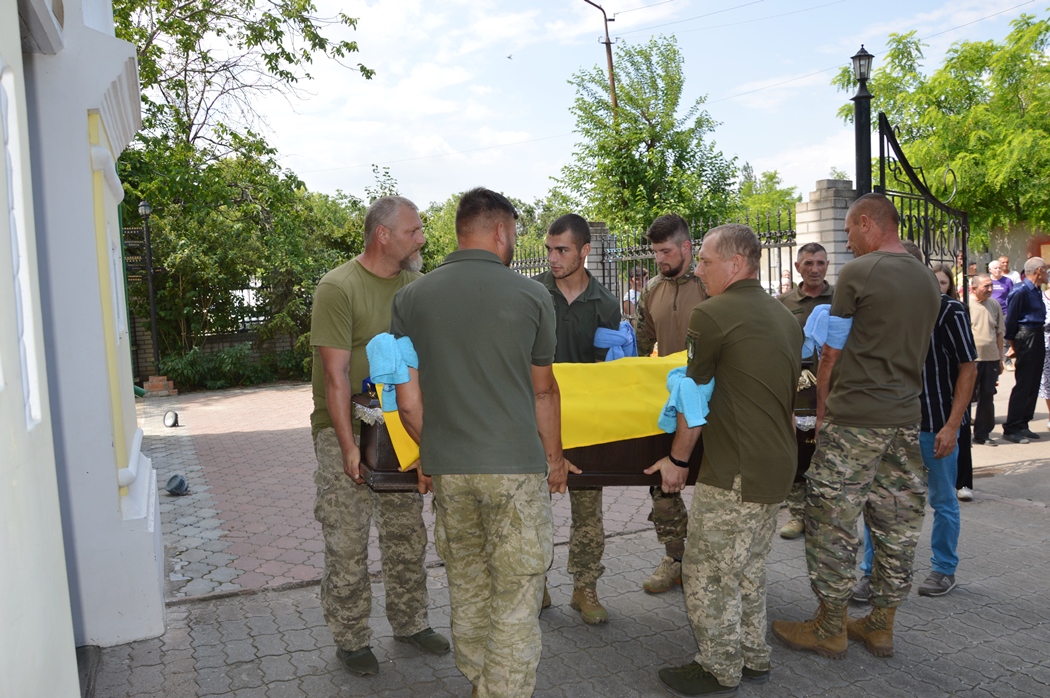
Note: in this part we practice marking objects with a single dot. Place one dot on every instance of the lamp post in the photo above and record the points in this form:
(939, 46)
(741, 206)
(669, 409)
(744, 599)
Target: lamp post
(862, 119)
(145, 210)
(608, 56)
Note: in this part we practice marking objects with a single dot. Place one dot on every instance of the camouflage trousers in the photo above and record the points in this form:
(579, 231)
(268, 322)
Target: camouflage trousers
(724, 576)
(796, 501)
(670, 520)
(586, 536)
(345, 510)
(496, 536)
(878, 472)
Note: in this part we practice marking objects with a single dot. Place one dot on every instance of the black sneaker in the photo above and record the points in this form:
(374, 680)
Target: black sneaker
(937, 584)
(692, 680)
(1029, 434)
(1017, 438)
(754, 675)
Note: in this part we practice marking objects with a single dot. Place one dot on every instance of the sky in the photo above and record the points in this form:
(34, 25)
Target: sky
(476, 92)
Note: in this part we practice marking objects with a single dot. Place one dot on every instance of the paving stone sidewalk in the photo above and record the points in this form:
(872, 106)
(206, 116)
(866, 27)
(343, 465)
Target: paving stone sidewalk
(248, 457)
(248, 521)
(990, 637)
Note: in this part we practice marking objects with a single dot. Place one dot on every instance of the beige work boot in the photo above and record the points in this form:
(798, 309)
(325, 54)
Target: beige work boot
(585, 600)
(546, 603)
(875, 630)
(825, 634)
(792, 529)
(664, 577)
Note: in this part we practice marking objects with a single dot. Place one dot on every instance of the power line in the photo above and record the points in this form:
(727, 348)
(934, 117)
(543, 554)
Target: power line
(762, 19)
(690, 19)
(716, 101)
(836, 67)
(642, 7)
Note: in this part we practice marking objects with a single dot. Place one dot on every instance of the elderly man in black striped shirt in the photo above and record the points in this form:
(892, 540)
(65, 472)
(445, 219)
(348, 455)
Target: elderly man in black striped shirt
(947, 384)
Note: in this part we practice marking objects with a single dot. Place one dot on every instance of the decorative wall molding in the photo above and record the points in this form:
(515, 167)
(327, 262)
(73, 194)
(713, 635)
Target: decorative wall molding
(121, 108)
(40, 28)
(102, 161)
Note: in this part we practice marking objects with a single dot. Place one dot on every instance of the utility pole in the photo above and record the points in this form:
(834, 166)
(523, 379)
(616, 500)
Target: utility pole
(608, 55)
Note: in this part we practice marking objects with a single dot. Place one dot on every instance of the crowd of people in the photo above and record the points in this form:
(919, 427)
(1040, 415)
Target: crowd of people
(896, 374)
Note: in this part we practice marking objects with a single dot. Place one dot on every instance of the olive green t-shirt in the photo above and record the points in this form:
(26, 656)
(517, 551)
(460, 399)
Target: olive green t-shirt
(802, 305)
(876, 381)
(752, 346)
(578, 321)
(478, 328)
(351, 306)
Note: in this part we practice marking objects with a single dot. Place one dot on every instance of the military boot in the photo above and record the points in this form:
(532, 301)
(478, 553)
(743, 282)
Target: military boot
(664, 577)
(825, 634)
(585, 600)
(874, 630)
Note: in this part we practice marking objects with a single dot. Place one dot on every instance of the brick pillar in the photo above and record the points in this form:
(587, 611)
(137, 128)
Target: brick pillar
(601, 238)
(823, 219)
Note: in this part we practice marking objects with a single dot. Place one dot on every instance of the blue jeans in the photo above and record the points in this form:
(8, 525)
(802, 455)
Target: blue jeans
(944, 540)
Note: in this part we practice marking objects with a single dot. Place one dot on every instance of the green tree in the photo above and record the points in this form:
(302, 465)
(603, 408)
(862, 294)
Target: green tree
(651, 157)
(202, 64)
(985, 114)
(763, 198)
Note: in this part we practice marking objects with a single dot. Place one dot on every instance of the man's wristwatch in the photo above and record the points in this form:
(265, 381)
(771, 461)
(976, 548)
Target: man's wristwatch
(679, 463)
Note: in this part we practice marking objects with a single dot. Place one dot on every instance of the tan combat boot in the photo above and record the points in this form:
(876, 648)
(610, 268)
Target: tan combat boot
(585, 600)
(825, 634)
(874, 630)
(664, 577)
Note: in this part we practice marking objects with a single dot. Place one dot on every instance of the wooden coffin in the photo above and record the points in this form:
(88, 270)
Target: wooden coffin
(603, 465)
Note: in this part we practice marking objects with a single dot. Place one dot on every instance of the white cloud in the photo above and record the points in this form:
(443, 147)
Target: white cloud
(802, 165)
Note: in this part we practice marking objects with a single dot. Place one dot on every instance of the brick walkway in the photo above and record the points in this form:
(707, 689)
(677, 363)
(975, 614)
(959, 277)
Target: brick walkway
(248, 521)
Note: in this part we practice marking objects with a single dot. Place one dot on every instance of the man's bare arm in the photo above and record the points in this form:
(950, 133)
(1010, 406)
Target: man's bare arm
(828, 357)
(337, 391)
(944, 442)
(548, 422)
(410, 410)
(672, 477)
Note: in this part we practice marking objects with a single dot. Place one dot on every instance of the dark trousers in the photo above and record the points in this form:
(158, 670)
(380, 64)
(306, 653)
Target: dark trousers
(964, 470)
(1029, 351)
(984, 396)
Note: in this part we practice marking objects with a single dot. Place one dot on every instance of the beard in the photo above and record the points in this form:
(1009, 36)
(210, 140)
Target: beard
(567, 270)
(413, 262)
(507, 255)
(672, 272)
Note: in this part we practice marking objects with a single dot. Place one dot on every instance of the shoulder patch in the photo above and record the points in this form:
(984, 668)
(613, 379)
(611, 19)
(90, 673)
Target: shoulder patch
(690, 346)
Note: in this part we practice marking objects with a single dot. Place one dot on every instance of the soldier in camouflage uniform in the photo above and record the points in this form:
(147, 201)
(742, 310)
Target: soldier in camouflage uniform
(493, 428)
(352, 305)
(868, 458)
(661, 323)
(813, 290)
(581, 306)
(750, 458)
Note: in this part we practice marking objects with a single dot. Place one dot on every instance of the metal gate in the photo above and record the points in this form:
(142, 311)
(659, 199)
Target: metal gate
(940, 231)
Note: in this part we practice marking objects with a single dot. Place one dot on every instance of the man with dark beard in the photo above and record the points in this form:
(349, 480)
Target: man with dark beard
(351, 306)
(581, 306)
(664, 309)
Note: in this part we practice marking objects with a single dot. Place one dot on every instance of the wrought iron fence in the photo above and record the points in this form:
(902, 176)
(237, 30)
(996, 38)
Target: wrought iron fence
(615, 255)
(940, 231)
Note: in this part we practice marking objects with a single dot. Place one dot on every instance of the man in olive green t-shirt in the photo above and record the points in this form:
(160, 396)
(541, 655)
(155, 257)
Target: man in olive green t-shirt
(749, 462)
(486, 393)
(351, 306)
(867, 458)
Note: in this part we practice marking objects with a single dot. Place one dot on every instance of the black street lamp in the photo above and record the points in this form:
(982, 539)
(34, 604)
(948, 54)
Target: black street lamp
(145, 210)
(862, 119)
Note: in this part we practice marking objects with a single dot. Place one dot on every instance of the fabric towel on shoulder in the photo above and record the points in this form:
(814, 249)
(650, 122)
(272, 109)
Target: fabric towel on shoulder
(389, 360)
(824, 328)
(620, 342)
(686, 398)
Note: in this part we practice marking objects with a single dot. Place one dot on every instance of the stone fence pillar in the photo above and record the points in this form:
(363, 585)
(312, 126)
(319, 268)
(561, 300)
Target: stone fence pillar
(823, 219)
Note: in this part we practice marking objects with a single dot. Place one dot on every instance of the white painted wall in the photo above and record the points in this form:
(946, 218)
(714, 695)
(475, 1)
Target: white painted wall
(114, 554)
(37, 656)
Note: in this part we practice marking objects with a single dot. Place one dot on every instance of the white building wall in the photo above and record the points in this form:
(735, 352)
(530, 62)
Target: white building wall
(37, 656)
(83, 110)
